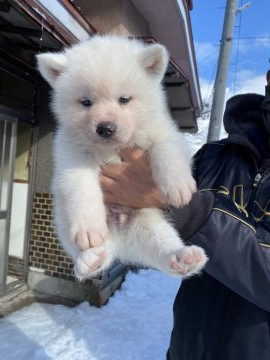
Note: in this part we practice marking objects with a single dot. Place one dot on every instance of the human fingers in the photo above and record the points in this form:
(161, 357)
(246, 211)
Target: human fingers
(132, 154)
(113, 171)
(106, 181)
(109, 198)
(110, 190)
(109, 184)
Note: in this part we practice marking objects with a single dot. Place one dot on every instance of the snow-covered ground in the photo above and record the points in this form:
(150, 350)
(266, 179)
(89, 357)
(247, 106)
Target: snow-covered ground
(134, 325)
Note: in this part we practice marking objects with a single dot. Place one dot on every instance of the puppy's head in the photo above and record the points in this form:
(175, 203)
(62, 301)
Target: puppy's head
(106, 89)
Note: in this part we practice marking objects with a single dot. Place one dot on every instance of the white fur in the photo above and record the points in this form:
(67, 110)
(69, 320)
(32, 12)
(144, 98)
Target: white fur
(103, 69)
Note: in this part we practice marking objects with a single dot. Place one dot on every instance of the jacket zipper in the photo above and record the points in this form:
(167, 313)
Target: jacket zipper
(257, 180)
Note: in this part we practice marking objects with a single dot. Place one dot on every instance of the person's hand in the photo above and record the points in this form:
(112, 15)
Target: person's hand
(130, 183)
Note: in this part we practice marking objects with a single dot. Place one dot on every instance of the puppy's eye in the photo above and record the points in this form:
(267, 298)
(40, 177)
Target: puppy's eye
(86, 102)
(124, 99)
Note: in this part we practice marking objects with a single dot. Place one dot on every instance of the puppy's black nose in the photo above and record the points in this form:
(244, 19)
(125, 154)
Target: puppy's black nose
(106, 129)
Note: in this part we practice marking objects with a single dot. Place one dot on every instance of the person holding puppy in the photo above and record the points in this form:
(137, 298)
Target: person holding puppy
(224, 313)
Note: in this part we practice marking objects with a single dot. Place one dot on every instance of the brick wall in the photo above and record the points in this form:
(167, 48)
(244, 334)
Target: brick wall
(45, 250)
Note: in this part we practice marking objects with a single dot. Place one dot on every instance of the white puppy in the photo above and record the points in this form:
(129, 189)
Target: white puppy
(107, 95)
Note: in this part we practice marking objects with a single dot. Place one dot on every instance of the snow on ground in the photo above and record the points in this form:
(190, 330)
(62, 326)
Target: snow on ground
(134, 325)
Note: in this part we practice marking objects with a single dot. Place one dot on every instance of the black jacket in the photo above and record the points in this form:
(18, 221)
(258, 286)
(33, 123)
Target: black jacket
(224, 314)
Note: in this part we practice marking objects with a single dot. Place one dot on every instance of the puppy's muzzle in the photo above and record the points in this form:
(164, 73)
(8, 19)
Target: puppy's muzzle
(106, 129)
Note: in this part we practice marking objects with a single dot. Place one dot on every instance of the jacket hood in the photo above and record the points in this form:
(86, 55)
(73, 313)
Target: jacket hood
(244, 122)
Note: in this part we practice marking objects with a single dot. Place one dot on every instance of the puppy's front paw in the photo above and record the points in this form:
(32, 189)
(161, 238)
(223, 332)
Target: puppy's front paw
(188, 261)
(178, 192)
(88, 262)
(88, 235)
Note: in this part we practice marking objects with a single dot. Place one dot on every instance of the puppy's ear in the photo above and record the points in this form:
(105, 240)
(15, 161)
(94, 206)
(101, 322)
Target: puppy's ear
(154, 59)
(50, 65)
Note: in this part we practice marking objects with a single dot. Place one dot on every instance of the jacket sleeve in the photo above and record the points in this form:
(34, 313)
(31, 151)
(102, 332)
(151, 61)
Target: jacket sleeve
(236, 257)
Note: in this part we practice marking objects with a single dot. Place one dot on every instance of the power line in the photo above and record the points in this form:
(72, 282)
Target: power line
(254, 42)
(250, 38)
(254, 37)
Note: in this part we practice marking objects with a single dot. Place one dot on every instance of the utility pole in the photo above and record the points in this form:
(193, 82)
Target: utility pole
(222, 71)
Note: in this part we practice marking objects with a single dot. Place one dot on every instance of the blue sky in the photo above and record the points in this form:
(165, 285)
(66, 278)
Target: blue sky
(250, 54)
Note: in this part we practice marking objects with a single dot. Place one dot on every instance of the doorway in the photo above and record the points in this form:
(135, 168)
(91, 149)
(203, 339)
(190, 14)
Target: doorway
(8, 131)
(16, 156)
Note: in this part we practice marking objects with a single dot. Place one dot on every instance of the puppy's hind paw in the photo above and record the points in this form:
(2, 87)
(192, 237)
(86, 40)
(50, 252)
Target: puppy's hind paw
(188, 261)
(88, 262)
